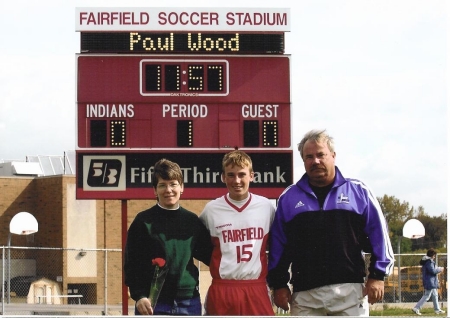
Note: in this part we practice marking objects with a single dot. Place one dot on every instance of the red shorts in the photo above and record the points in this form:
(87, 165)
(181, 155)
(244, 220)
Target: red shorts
(238, 298)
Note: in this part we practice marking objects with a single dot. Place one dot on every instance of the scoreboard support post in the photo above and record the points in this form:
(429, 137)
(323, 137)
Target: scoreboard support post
(124, 239)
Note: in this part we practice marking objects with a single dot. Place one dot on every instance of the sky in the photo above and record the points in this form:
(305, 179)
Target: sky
(373, 73)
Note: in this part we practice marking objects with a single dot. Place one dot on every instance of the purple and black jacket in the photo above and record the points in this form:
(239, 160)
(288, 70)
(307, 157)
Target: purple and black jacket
(325, 245)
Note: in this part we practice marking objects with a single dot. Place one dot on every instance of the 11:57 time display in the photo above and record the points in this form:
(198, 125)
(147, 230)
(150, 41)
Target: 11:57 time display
(172, 77)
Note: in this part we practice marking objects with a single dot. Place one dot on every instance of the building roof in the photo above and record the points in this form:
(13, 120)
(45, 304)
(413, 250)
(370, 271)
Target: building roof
(49, 165)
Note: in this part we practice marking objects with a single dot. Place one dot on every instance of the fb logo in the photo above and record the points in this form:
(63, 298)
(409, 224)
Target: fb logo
(104, 173)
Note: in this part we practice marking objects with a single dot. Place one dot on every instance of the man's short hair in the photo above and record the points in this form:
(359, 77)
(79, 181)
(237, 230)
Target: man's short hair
(317, 136)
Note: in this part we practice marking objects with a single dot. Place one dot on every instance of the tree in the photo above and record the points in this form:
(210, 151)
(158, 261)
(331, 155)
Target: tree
(397, 213)
(394, 211)
(435, 231)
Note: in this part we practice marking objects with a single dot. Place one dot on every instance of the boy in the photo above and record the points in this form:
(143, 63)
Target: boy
(430, 282)
(239, 224)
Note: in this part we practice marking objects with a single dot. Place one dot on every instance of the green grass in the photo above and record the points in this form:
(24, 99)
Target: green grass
(396, 311)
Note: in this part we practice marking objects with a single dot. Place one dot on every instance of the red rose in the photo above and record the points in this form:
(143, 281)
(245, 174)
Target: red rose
(160, 262)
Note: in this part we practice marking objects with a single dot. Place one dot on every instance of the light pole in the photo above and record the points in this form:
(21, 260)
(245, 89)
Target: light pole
(23, 223)
(413, 229)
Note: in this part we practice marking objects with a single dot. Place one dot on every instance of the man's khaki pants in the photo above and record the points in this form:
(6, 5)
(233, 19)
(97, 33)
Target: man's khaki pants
(331, 300)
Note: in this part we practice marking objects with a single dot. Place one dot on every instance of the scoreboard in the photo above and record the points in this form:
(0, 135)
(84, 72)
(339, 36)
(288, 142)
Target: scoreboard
(192, 102)
(189, 96)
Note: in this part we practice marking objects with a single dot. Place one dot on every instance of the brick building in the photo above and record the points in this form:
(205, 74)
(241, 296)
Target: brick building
(65, 222)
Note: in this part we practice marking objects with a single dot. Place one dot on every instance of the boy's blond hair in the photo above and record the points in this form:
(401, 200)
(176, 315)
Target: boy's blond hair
(237, 158)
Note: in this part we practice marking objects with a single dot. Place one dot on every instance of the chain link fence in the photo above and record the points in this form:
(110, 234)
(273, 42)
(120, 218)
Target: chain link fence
(62, 281)
(57, 281)
(410, 280)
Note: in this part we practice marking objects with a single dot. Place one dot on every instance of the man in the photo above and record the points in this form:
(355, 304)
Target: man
(322, 225)
(239, 224)
(170, 233)
(430, 282)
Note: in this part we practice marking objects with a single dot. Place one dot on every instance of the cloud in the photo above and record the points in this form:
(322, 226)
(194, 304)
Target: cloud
(37, 99)
(372, 72)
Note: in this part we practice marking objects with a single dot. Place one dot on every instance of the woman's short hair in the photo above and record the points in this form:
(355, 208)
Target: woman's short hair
(166, 170)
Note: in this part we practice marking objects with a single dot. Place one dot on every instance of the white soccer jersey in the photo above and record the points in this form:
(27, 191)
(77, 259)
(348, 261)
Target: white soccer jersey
(240, 236)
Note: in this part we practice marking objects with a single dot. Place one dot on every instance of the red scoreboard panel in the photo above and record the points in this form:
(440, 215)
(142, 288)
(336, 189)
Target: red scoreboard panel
(151, 102)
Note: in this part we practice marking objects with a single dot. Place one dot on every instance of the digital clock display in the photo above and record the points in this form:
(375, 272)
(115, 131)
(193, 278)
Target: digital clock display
(182, 42)
(164, 77)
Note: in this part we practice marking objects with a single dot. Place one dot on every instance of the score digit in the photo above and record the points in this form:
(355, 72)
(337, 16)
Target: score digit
(195, 77)
(172, 78)
(153, 77)
(215, 78)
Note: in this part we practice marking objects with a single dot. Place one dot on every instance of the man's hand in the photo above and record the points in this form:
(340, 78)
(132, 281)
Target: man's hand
(144, 307)
(282, 298)
(374, 290)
